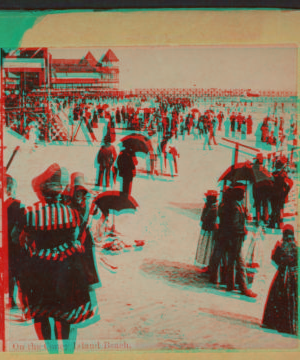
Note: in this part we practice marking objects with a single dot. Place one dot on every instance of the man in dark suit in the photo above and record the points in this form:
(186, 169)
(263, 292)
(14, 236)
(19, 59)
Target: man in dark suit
(234, 229)
(126, 163)
(105, 159)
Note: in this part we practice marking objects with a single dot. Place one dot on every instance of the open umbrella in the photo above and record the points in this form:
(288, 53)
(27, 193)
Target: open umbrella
(116, 201)
(138, 143)
(247, 171)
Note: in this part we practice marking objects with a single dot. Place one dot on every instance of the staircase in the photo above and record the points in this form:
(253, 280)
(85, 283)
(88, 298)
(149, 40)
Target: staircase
(58, 130)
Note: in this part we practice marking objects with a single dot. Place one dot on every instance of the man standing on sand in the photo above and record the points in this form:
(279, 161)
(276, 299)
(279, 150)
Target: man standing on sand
(105, 159)
(126, 163)
(232, 227)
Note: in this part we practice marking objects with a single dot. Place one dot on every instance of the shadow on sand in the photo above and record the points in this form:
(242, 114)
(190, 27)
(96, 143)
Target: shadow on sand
(191, 210)
(176, 273)
(188, 277)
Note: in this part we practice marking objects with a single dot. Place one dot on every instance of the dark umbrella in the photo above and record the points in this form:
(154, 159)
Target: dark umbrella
(138, 143)
(116, 201)
(247, 171)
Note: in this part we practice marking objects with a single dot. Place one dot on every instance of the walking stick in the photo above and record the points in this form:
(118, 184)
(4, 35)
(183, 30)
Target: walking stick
(12, 157)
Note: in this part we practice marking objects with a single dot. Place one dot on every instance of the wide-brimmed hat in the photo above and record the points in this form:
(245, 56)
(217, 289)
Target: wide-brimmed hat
(77, 183)
(50, 181)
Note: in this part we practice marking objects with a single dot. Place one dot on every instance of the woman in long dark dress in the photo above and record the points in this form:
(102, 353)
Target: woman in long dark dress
(281, 310)
(56, 285)
(208, 227)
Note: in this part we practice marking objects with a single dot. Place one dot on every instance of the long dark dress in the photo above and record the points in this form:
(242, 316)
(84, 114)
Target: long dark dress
(206, 240)
(56, 284)
(281, 310)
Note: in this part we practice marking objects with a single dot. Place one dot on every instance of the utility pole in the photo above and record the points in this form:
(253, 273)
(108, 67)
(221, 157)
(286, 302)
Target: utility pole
(4, 241)
(48, 131)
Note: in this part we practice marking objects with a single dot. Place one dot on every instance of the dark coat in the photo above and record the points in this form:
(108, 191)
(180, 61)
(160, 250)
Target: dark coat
(232, 219)
(15, 222)
(106, 155)
(281, 311)
(15, 215)
(282, 184)
(126, 164)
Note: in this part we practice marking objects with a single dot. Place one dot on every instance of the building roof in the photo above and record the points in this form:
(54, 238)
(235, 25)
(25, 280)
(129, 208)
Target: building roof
(86, 64)
(88, 59)
(110, 57)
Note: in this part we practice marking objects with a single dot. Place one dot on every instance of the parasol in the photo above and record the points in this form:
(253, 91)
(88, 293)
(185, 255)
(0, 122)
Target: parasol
(247, 171)
(138, 143)
(116, 201)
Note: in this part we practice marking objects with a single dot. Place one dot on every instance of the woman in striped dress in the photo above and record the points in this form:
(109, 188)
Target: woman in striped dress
(56, 285)
(208, 226)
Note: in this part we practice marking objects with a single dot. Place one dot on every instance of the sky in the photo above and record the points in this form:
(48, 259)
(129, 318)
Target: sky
(255, 68)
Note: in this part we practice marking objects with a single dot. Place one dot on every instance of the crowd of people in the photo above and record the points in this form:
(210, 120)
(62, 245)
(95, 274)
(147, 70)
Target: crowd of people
(52, 241)
(181, 116)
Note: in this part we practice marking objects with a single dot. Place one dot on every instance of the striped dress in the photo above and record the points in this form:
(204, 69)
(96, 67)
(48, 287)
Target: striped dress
(54, 281)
